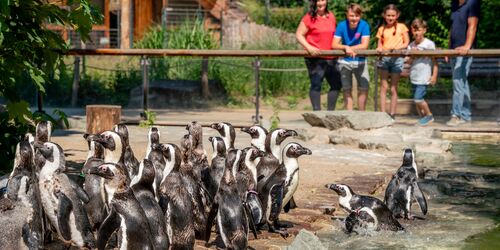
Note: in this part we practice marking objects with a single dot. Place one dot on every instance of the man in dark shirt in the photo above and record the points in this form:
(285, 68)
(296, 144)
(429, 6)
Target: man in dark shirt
(464, 19)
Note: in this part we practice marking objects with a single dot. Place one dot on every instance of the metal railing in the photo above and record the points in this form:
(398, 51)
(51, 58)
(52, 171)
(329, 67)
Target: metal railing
(257, 54)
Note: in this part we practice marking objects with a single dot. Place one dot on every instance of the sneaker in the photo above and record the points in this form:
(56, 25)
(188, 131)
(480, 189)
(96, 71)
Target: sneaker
(393, 117)
(426, 120)
(456, 121)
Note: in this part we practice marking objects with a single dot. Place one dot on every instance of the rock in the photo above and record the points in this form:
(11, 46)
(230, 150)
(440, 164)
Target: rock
(304, 134)
(306, 240)
(358, 120)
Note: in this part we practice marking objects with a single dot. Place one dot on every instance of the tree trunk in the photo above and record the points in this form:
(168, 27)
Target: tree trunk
(102, 117)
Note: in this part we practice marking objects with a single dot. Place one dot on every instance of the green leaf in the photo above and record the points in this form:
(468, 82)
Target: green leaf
(19, 111)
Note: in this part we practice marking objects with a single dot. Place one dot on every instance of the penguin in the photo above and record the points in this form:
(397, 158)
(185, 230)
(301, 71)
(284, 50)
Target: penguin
(155, 155)
(126, 216)
(217, 165)
(129, 159)
(61, 198)
(403, 189)
(258, 135)
(198, 155)
(94, 186)
(142, 185)
(114, 147)
(350, 202)
(22, 189)
(176, 203)
(291, 152)
(361, 221)
(228, 208)
(227, 132)
(43, 131)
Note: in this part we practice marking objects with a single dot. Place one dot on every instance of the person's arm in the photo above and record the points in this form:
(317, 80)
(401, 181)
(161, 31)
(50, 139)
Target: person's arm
(300, 35)
(471, 35)
(435, 68)
(406, 40)
(337, 44)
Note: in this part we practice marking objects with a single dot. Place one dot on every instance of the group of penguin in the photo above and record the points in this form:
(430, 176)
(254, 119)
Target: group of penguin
(367, 214)
(175, 195)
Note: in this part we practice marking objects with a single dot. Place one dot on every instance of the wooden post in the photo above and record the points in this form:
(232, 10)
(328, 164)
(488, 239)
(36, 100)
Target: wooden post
(125, 24)
(102, 117)
(76, 82)
(205, 91)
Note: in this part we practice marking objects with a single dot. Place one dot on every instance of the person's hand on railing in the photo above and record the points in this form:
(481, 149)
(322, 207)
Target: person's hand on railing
(433, 80)
(313, 51)
(462, 50)
(349, 51)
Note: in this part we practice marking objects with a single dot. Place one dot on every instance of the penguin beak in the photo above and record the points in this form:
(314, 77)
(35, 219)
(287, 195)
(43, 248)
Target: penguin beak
(214, 125)
(211, 138)
(291, 133)
(305, 151)
(245, 129)
(334, 187)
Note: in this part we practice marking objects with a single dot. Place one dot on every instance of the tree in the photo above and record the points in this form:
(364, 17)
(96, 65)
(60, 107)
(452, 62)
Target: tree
(28, 47)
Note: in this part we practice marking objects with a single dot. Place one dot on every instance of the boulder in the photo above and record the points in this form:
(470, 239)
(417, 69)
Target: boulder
(357, 120)
(306, 240)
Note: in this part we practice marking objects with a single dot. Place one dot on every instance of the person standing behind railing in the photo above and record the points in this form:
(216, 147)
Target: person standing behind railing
(391, 36)
(350, 34)
(315, 33)
(464, 19)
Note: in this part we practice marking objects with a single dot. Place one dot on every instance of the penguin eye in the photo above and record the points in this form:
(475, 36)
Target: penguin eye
(252, 130)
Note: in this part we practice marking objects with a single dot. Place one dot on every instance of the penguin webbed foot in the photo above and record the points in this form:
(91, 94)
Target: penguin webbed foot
(279, 224)
(282, 231)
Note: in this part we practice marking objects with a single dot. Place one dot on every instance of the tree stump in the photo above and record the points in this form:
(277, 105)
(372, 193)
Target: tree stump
(102, 117)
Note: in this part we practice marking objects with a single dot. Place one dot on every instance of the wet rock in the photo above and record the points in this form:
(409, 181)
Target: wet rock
(357, 120)
(306, 240)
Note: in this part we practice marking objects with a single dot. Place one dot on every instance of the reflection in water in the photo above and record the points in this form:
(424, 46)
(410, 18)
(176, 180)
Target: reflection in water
(464, 207)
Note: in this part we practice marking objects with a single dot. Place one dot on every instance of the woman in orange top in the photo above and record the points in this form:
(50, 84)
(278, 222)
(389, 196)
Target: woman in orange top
(391, 36)
(315, 33)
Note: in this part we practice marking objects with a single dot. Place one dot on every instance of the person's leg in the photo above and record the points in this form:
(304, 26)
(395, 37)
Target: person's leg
(346, 78)
(384, 85)
(363, 79)
(461, 92)
(466, 113)
(394, 93)
(333, 77)
(316, 73)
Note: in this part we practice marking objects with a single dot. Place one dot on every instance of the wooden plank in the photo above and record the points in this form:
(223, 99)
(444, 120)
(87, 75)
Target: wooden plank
(125, 24)
(102, 117)
(143, 17)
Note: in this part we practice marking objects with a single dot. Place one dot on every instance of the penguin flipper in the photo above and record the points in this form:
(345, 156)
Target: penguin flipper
(64, 210)
(419, 196)
(276, 193)
(210, 220)
(79, 191)
(110, 224)
(253, 209)
(13, 187)
(290, 205)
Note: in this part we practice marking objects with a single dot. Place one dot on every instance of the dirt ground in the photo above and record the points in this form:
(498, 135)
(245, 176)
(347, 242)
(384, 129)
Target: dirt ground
(364, 170)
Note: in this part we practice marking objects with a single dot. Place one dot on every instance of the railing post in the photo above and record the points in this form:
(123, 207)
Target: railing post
(205, 92)
(375, 76)
(257, 117)
(76, 81)
(145, 85)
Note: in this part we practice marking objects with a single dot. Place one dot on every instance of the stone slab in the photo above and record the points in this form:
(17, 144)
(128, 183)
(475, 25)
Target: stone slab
(357, 120)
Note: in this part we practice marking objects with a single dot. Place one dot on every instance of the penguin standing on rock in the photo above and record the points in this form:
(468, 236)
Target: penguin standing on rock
(61, 199)
(126, 215)
(258, 135)
(176, 203)
(155, 155)
(350, 202)
(228, 208)
(129, 159)
(403, 189)
(226, 131)
(142, 185)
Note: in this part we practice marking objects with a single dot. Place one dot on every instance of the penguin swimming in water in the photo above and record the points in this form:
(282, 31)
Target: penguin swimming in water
(228, 208)
(61, 198)
(291, 152)
(142, 185)
(94, 185)
(22, 189)
(226, 131)
(176, 203)
(129, 159)
(350, 202)
(403, 189)
(155, 155)
(361, 221)
(126, 215)
(258, 135)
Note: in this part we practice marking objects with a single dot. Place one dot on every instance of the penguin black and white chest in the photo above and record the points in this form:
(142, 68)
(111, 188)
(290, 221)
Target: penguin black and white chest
(268, 164)
(176, 203)
(403, 188)
(43, 131)
(231, 216)
(361, 221)
(142, 185)
(155, 155)
(218, 164)
(227, 132)
(198, 154)
(258, 135)
(126, 215)
(291, 152)
(129, 158)
(62, 199)
(350, 202)
(22, 188)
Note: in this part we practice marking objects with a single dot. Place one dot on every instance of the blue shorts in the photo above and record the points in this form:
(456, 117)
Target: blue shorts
(419, 92)
(391, 64)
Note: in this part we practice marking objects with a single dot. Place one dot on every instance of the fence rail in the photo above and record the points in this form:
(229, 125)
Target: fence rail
(257, 54)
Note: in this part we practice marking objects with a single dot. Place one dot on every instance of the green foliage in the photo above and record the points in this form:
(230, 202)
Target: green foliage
(150, 119)
(275, 118)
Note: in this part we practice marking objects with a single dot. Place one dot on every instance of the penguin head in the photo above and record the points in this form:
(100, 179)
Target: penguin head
(23, 159)
(341, 189)
(122, 130)
(408, 157)
(253, 153)
(294, 150)
(218, 146)
(277, 136)
(255, 131)
(171, 153)
(49, 156)
(225, 129)
(96, 150)
(154, 135)
(43, 131)
(146, 174)
(186, 147)
(196, 132)
(115, 175)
